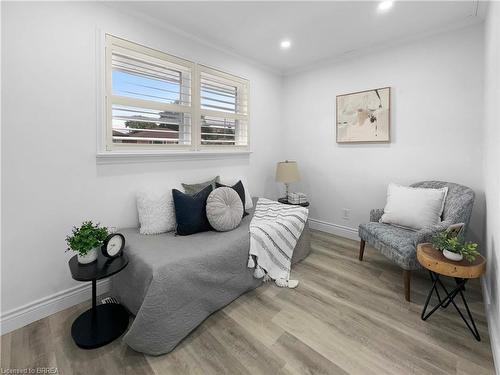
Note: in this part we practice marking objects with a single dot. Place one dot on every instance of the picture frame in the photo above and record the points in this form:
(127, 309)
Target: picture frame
(364, 116)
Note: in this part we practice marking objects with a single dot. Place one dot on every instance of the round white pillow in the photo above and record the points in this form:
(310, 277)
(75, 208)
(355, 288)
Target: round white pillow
(224, 209)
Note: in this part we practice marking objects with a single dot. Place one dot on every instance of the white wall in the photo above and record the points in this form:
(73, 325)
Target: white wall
(50, 177)
(492, 173)
(435, 127)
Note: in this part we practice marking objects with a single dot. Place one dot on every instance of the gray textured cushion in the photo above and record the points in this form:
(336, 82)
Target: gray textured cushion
(192, 189)
(396, 243)
(224, 209)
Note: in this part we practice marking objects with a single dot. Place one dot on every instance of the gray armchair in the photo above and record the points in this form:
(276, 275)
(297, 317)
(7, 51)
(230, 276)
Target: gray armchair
(399, 244)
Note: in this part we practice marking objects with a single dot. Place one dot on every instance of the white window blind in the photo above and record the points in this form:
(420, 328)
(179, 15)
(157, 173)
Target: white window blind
(155, 100)
(224, 109)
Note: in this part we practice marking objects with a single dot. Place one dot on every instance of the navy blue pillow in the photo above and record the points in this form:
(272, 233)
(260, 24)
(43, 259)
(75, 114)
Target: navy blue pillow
(238, 187)
(191, 211)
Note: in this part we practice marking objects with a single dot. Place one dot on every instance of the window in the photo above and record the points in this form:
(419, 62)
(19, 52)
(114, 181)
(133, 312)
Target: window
(155, 100)
(224, 109)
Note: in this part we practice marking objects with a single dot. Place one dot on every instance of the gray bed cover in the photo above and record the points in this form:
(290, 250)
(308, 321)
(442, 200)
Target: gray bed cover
(172, 283)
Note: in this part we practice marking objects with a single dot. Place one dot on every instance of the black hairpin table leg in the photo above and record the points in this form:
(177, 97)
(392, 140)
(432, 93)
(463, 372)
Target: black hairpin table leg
(450, 298)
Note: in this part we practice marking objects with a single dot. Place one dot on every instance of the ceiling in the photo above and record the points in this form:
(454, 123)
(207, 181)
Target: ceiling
(319, 31)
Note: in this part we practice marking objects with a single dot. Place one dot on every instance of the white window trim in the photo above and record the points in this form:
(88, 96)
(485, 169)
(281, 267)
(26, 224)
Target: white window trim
(114, 153)
(117, 157)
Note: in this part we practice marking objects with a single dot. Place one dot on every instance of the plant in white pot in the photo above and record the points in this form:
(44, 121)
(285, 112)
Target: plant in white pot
(86, 241)
(455, 247)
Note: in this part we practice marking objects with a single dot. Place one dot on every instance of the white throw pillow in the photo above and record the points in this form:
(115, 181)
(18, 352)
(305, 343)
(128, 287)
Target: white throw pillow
(224, 209)
(414, 208)
(230, 181)
(156, 211)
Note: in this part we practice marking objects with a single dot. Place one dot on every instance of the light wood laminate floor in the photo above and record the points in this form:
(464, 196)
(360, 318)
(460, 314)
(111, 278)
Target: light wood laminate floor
(346, 317)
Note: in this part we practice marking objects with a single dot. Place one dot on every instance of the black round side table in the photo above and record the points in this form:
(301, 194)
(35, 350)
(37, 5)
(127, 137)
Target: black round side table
(285, 201)
(101, 324)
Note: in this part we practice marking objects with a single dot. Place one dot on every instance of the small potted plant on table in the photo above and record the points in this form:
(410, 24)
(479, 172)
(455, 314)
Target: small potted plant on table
(86, 240)
(454, 247)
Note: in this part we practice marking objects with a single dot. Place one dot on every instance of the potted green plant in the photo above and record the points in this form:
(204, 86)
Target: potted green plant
(86, 240)
(455, 247)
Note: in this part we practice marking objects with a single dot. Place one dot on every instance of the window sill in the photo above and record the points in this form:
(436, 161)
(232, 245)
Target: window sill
(116, 157)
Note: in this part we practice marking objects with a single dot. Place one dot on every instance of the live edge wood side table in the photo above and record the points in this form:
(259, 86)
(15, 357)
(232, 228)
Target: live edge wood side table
(103, 323)
(434, 261)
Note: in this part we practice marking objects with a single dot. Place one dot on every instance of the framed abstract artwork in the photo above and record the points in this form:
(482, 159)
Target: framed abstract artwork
(364, 116)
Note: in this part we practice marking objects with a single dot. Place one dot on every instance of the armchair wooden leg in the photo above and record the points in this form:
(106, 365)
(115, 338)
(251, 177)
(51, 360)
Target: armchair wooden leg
(407, 278)
(361, 249)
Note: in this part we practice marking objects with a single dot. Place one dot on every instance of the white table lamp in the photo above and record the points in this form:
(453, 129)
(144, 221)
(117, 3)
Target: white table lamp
(287, 172)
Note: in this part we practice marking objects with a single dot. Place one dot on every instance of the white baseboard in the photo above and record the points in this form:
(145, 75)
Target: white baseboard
(493, 326)
(338, 230)
(31, 312)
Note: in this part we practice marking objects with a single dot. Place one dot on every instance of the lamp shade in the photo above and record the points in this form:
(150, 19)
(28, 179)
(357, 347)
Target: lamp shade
(287, 171)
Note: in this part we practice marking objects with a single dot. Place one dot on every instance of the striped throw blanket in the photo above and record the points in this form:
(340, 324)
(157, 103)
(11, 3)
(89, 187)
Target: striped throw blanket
(274, 231)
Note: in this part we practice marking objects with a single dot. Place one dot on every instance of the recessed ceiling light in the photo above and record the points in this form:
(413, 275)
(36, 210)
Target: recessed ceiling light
(384, 6)
(285, 44)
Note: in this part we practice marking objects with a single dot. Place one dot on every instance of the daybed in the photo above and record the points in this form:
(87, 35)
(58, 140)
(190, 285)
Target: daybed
(173, 283)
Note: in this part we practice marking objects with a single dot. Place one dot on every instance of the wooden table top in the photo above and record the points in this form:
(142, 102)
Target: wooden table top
(434, 260)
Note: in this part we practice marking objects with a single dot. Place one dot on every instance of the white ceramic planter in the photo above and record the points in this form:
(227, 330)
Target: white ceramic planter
(90, 257)
(452, 256)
